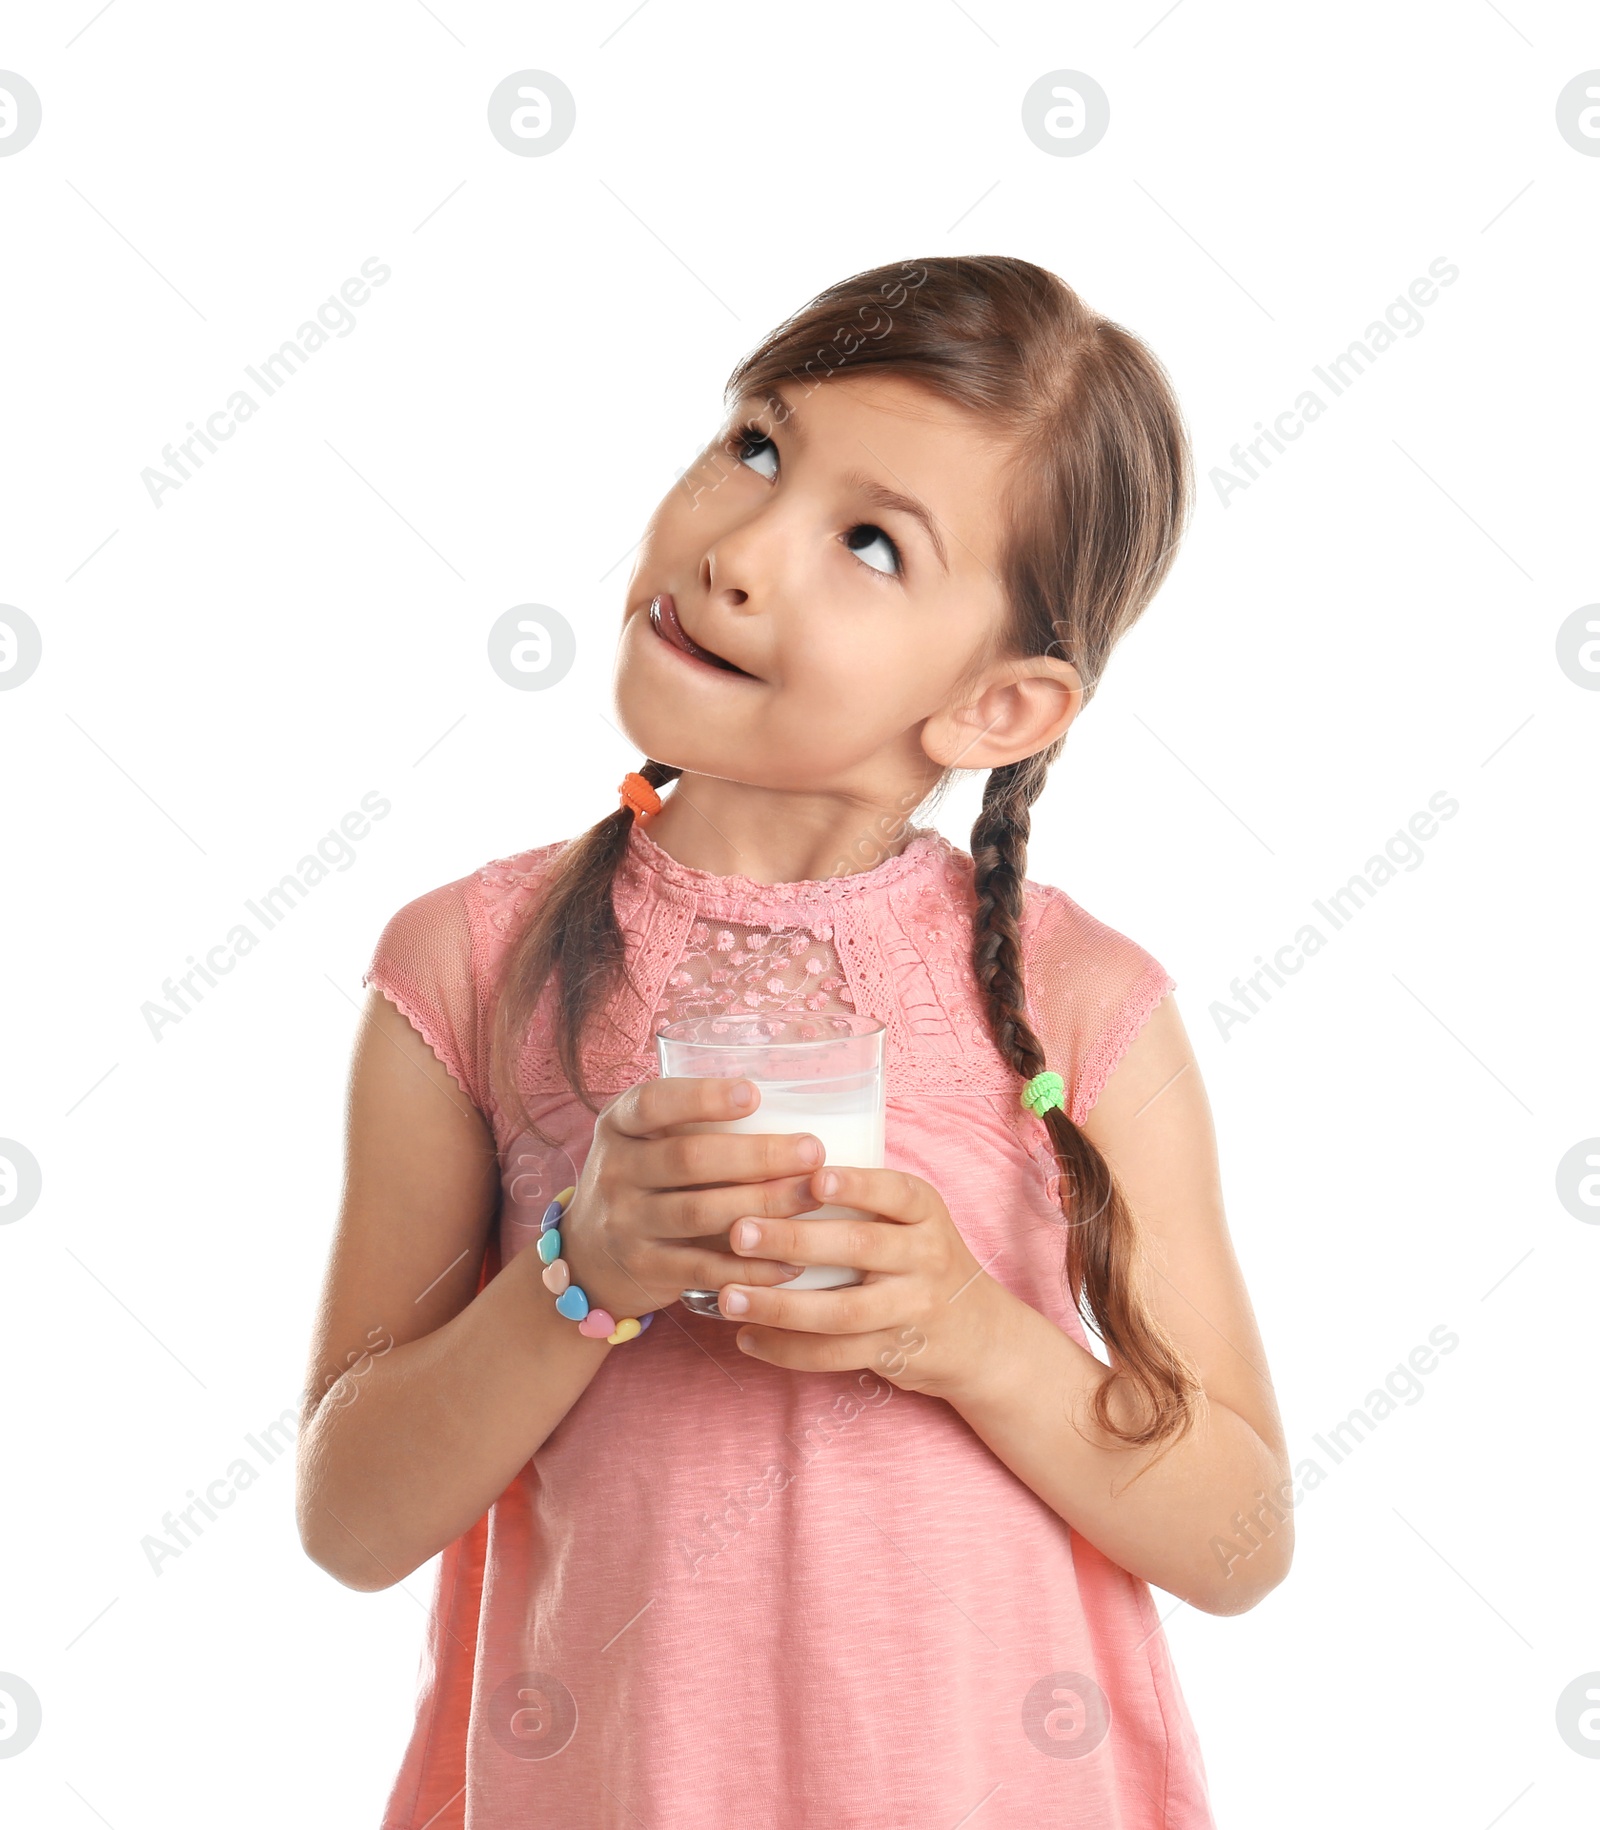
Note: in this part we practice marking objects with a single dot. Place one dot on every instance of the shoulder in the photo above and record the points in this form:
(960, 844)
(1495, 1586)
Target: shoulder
(499, 892)
(473, 911)
(1090, 989)
(1052, 919)
(438, 956)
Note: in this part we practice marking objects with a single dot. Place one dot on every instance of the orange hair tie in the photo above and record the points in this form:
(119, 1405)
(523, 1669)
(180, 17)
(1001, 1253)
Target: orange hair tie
(637, 793)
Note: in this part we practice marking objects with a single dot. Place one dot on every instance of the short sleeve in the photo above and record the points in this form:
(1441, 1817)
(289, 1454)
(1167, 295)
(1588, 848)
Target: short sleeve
(1090, 991)
(424, 965)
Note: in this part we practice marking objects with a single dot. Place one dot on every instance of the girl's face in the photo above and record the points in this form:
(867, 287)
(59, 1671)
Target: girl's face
(840, 549)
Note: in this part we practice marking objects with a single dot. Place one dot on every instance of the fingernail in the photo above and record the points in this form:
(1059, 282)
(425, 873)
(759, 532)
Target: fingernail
(827, 1183)
(734, 1302)
(741, 1095)
(746, 1234)
(793, 1269)
(811, 1150)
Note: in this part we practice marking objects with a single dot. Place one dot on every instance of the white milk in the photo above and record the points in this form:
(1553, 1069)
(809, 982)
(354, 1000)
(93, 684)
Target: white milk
(846, 1116)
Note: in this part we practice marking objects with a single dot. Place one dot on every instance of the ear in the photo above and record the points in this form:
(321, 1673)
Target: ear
(1013, 709)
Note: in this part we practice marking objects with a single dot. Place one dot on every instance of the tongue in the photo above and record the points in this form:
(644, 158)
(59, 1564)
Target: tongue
(681, 637)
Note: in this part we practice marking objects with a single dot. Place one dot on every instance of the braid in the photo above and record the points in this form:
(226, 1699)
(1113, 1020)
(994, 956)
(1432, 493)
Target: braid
(573, 938)
(1000, 860)
(1104, 1260)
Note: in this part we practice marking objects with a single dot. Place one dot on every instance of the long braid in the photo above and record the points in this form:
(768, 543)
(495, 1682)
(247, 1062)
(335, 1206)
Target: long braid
(573, 938)
(1104, 1259)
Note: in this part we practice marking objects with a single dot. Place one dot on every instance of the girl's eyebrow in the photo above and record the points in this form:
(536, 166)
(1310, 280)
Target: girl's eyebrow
(885, 497)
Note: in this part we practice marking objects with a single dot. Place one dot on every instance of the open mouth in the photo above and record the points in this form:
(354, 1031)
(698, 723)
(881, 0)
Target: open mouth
(664, 621)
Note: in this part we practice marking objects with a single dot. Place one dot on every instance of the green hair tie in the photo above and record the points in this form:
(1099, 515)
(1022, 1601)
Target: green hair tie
(1044, 1092)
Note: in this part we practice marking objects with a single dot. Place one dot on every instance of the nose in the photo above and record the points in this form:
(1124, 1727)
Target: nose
(715, 570)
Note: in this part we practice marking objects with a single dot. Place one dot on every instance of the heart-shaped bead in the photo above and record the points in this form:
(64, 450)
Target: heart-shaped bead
(548, 1245)
(624, 1331)
(556, 1276)
(597, 1324)
(572, 1303)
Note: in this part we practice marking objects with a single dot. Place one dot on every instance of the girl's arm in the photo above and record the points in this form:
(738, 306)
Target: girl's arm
(427, 1396)
(1210, 1521)
(424, 1399)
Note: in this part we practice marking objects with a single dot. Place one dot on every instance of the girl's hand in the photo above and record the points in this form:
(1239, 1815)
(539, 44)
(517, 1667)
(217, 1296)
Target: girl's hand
(649, 1215)
(926, 1316)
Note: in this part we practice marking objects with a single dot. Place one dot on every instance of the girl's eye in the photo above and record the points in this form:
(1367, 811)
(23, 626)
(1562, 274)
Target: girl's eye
(875, 549)
(748, 444)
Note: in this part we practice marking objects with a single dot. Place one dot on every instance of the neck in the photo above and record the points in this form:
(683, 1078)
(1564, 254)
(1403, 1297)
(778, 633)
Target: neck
(775, 835)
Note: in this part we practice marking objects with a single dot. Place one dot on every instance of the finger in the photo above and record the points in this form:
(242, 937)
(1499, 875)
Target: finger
(892, 1194)
(723, 1156)
(702, 1264)
(679, 1100)
(863, 1245)
(851, 1310)
(705, 1268)
(663, 1270)
(687, 1213)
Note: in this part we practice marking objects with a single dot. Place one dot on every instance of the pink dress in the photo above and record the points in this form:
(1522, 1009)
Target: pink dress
(724, 1592)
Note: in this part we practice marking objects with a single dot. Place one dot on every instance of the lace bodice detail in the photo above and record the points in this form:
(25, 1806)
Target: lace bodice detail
(734, 969)
(893, 942)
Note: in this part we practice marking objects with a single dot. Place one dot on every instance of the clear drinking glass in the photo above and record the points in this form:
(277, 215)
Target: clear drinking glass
(822, 1074)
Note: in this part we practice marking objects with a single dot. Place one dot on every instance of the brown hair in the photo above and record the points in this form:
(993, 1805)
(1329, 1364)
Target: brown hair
(1099, 490)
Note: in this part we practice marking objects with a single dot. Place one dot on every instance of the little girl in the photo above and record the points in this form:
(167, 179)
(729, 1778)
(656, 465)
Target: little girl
(853, 1558)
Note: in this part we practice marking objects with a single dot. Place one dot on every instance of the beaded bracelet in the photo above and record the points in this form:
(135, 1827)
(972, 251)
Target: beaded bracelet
(570, 1299)
(1044, 1093)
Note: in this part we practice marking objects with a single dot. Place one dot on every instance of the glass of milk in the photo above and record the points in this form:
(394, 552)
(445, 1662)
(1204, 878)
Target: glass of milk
(817, 1073)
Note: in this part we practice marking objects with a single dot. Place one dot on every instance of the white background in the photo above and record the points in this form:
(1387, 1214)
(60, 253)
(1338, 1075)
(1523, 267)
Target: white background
(1372, 621)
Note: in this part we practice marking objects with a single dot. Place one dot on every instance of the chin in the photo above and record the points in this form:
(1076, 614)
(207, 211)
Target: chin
(658, 730)
(655, 728)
